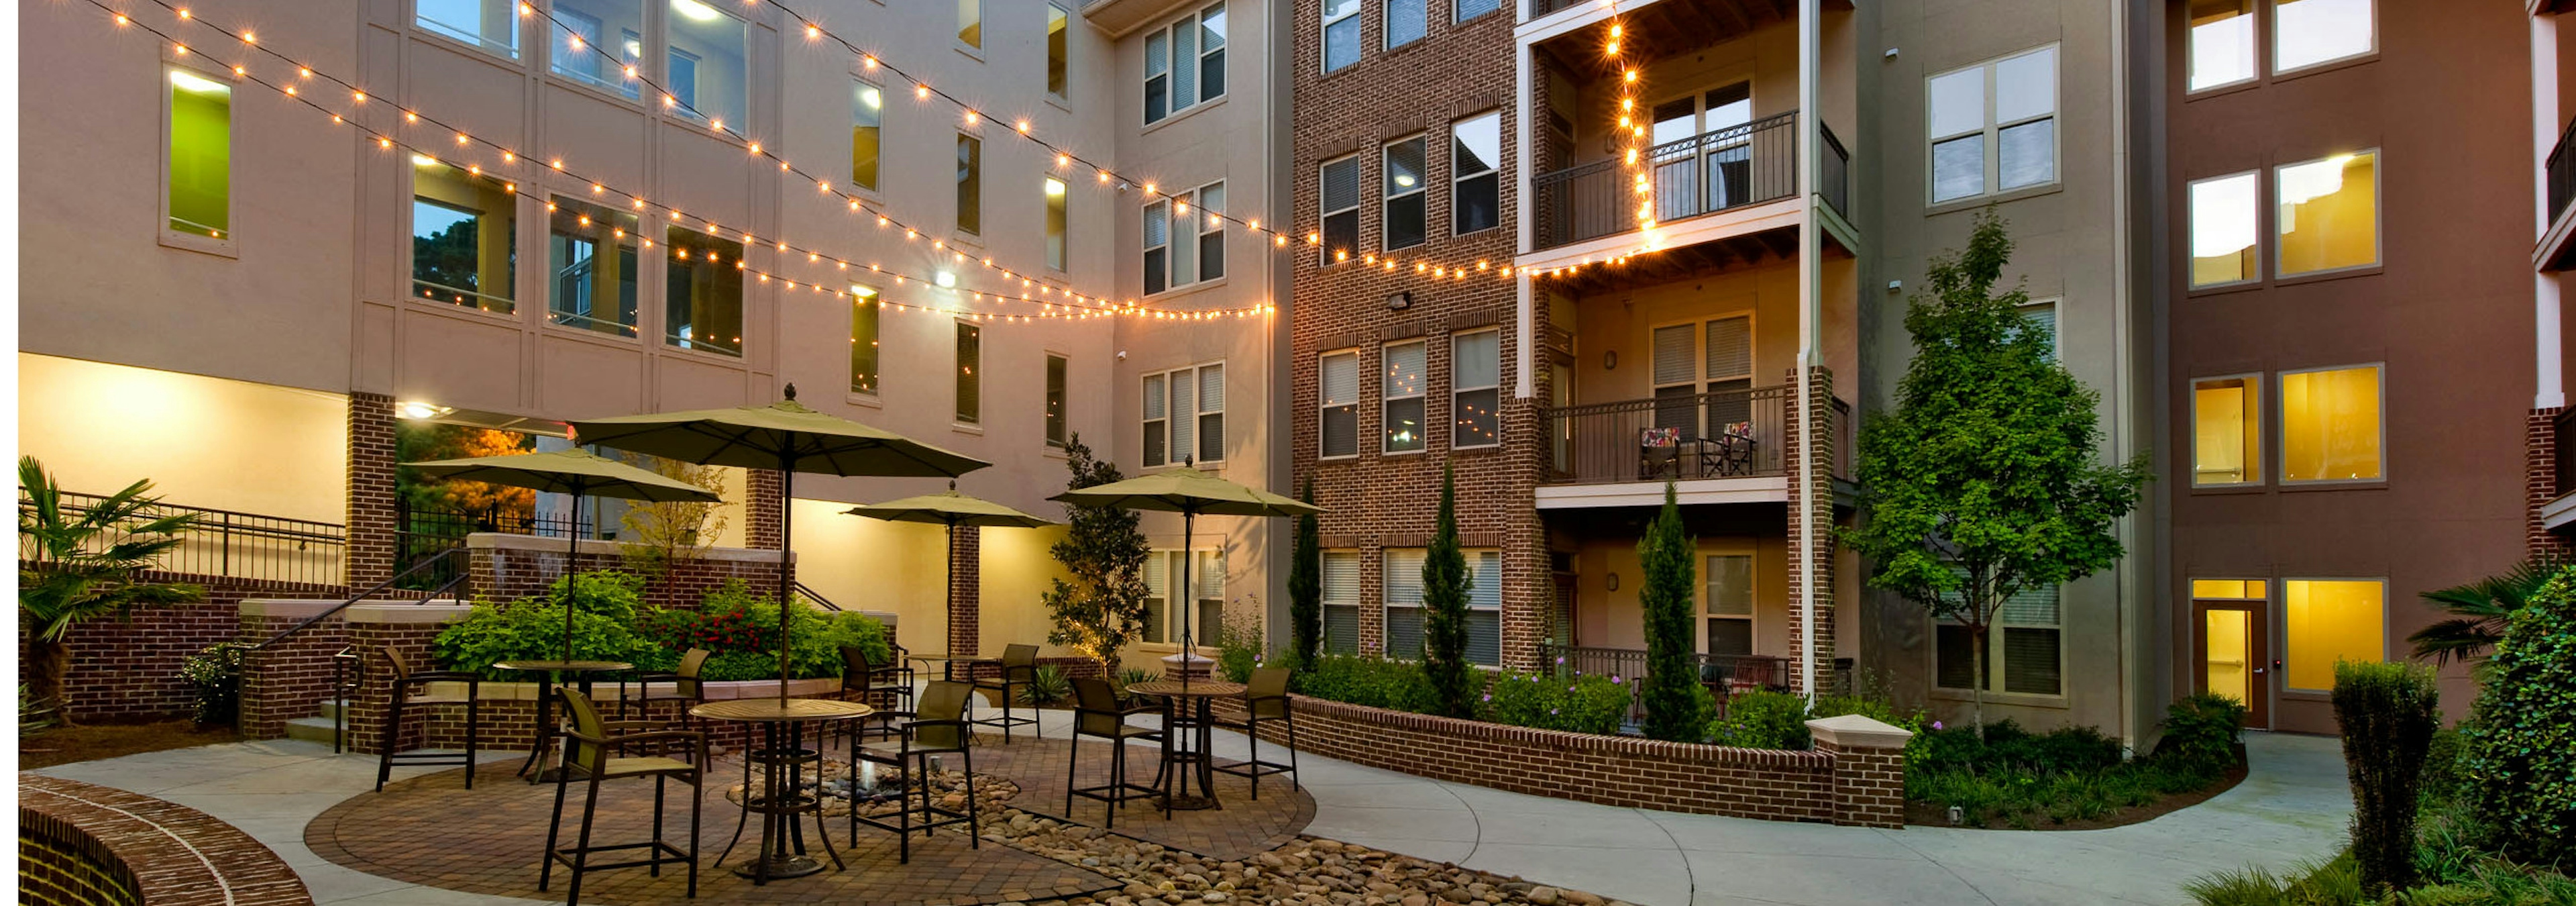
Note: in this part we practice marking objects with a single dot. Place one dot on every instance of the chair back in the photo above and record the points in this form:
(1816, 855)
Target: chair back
(856, 672)
(943, 700)
(1019, 662)
(1268, 691)
(587, 757)
(693, 663)
(401, 667)
(1095, 707)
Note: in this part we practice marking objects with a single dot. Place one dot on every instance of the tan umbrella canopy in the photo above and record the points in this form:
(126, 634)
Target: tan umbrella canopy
(1189, 492)
(785, 436)
(579, 473)
(951, 509)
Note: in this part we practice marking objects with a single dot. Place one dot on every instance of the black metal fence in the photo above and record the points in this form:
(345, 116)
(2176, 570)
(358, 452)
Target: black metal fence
(1833, 172)
(232, 544)
(1713, 171)
(1724, 434)
(424, 535)
(2562, 172)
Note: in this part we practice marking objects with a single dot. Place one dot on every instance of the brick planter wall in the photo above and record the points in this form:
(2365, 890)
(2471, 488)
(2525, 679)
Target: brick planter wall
(1858, 781)
(128, 670)
(83, 844)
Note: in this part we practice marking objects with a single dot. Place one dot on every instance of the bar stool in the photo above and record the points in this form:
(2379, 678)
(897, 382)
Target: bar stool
(862, 676)
(1265, 700)
(400, 696)
(586, 748)
(1097, 714)
(686, 686)
(940, 728)
(1019, 667)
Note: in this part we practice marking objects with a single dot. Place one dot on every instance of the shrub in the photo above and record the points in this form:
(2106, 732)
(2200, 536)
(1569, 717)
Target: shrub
(214, 684)
(1371, 681)
(1761, 719)
(1587, 704)
(2519, 744)
(610, 622)
(1047, 685)
(2201, 730)
(2388, 712)
(1239, 647)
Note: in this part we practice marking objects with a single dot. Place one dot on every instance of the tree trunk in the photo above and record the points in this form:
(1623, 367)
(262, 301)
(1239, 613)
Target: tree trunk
(47, 664)
(1977, 689)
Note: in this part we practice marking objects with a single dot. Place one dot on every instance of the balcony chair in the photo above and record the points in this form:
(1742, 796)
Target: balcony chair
(685, 686)
(1097, 714)
(1730, 453)
(1265, 700)
(881, 688)
(400, 696)
(1019, 667)
(939, 727)
(587, 747)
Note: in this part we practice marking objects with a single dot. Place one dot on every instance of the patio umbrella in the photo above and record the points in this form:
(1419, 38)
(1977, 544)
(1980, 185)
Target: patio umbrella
(951, 509)
(579, 473)
(785, 436)
(1189, 492)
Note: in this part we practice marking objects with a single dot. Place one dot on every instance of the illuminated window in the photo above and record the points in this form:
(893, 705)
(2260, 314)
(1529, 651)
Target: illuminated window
(2222, 43)
(970, 373)
(1476, 377)
(1400, 585)
(1405, 200)
(2228, 589)
(1055, 400)
(463, 230)
(1340, 203)
(866, 307)
(590, 267)
(1993, 126)
(596, 40)
(1401, 398)
(1404, 22)
(2329, 620)
(2329, 213)
(708, 64)
(867, 133)
(1340, 419)
(1475, 151)
(1058, 51)
(490, 25)
(1341, 33)
(702, 292)
(1730, 605)
(970, 184)
(2331, 427)
(200, 151)
(1704, 371)
(970, 23)
(1185, 63)
(1055, 222)
(2227, 431)
(1341, 597)
(1163, 623)
(2223, 230)
(2311, 32)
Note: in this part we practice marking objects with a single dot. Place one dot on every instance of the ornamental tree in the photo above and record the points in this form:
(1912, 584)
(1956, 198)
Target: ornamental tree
(1985, 479)
(1104, 549)
(1677, 706)
(1444, 610)
(1306, 584)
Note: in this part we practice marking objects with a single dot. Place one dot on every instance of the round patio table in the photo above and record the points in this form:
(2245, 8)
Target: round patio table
(1189, 750)
(550, 673)
(782, 758)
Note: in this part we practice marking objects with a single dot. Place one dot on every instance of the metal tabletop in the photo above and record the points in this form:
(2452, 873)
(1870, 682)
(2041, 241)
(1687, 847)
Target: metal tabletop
(771, 710)
(1198, 689)
(565, 666)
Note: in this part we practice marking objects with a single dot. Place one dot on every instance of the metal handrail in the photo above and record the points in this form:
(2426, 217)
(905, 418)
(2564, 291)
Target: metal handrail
(505, 304)
(1718, 170)
(450, 585)
(808, 591)
(275, 548)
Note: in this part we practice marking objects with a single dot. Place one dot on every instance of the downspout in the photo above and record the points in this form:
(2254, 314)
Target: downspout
(2551, 391)
(1809, 313)
(2123, 403)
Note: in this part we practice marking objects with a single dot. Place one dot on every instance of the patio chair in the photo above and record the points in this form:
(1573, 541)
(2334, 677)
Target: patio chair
(879, 687)
(685, 686)
(939, 727)
(1265, 700)
(587, 747)
(1019, 667)
(401, 682)
(1097, 714)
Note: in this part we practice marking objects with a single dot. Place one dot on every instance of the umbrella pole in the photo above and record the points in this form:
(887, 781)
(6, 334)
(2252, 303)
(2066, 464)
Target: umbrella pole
(1188, 596)
(786, 521)
(948, 594)
(571, 555)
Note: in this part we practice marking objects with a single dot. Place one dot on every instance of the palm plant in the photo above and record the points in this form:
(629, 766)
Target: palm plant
(76, 564)
(2483, 609)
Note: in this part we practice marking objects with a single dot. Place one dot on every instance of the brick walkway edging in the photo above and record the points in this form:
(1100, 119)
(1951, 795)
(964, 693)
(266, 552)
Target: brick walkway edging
(178, 856)
(1854, 776)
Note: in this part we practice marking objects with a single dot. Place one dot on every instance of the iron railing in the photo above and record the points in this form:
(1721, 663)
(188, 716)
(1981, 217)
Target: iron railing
(1722, 673)
(1722, 434)
(451, 563)
(427, 535)
(232, 544)
(816, 597)
(1833, 172)
(1714, 171)
(2562, 172)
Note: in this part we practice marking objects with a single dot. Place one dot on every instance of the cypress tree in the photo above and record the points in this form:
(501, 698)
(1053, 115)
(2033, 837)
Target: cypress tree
(1444, 606)
(1675, 708)
(1306, 585)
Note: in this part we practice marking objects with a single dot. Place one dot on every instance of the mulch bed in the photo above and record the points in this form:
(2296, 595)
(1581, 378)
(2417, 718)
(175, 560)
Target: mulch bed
(64, 745)
(1937, 815)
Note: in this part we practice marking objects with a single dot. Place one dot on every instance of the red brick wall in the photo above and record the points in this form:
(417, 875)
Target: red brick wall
(174, 855)
(128, 670)
(2540, 483)
(1823, 785)
(372, 511)
(289, 680)
(765, 509)
(1813, 431)
(1376, 501)
(965, 591)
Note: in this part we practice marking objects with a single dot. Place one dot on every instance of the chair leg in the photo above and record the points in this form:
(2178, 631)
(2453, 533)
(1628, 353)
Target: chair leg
(391, 739)
(744, 817)
(655, 870)
(1008, 693)
(581, 852)
(1117, 783)
(697, 802)
(1072, 758)
(1252, 734)
(966, 754)
(473, 722)
(1296, 778)
(554, 832)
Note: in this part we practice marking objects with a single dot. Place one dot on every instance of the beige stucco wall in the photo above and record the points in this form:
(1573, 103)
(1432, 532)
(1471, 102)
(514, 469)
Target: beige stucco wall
(868, 564)
(207, 442)
(1614, 619)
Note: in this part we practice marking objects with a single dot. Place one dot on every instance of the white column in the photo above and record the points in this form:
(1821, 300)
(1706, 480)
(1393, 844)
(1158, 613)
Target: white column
(2551, 390)
(1810, 316)
(1523, 386)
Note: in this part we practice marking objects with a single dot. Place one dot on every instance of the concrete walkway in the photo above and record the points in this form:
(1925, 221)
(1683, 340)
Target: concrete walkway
(2292, 807)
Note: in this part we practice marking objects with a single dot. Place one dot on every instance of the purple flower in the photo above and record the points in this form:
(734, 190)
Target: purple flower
(1569, 688)
(1560, 659)
(1489, 696)
(1936, 725)
(1551, 711)
(1614, 679)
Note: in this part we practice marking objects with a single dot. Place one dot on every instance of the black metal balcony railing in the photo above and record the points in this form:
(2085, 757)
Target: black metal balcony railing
(1725, 168)
(1833, 172)
(2563, 429)
(424, 536)
(1722, 434)
(233, 544)
(2562, 172)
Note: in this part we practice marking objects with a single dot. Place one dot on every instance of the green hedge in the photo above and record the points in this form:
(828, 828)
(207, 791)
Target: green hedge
(611, 622)
(1585, 704)
(2519, 744)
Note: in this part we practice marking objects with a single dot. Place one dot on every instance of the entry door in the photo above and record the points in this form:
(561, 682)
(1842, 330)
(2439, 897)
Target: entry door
(2230, 651)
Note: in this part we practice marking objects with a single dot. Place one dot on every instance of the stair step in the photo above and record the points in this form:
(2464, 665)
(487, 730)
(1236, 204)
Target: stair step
(312, 729)
(329, 709)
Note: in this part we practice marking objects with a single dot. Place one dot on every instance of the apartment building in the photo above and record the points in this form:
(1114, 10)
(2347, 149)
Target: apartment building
(2350, 182)
(515, 214)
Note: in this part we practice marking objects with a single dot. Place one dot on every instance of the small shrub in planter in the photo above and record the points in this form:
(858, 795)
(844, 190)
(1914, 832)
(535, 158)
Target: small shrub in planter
(214, 684)
(1047, 685)
(1588, 704)
(1371, 681)
(2201, 731)
(1761, 719)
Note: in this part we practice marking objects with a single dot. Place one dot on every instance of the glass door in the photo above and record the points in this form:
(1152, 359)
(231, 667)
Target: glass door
(1702, 155)
(2231, 653)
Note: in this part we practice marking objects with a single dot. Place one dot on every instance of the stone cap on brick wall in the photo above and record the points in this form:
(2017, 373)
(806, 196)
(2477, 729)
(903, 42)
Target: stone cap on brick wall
(1561, 740)
(597, 548)
(307, 608)
(1854, 731)
(441, 611)
(716, 690)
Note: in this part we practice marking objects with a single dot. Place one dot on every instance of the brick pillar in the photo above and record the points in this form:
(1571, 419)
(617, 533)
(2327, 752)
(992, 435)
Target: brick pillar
(1529, 584)
(1869, 769)
(1808, 448)
(409, 628)
(965, 590)
(2540, 483)
(765, 510)
(371, 514)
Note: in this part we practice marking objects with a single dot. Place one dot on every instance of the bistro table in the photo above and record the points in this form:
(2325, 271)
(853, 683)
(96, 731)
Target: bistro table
(549, 675)
(1192, 755)
(782, 757)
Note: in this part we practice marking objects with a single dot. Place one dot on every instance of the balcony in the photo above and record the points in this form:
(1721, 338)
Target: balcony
(1721, 434)
(1719, 170)
(2557, 251)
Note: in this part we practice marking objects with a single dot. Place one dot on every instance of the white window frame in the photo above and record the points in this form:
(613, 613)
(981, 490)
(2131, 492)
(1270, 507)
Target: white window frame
(1358, 561)
(1195, 19)
(1171, 558)
(1456, 178)
(1168, 206)
(1325, 404)
(1752, 615)
(1991, 179)
(1059, 9)
(2262, 247)
(857, 84)
(2281, 625)
(2270, 190)
(1325, 216)
(223, 245)
(959, 35)
(2257, 475)
(1064, 417)
(1324, 35)
(1198, 414)
(1387, 397)
(2280, 417)
(2253, 16)
(1458, 10)
(960, 372)
(1387, 199)
(1058, 236)
(2272, 48)
(1700, 378)
(1996, 657)
(2056, 323)
(863, 296)
(1473, 554)
(511, 52)
(1386, 604)
(1458, 391)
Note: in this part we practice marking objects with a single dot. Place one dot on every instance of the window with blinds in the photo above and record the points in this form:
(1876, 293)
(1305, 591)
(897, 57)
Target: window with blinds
(1208, 575)
(2023, 649)
(1341, 596)
(1714, 356)
(1401, 593)
(1475, 378)
(1340, 201)
(1184, 415)
(1730, 605)
(1158, 590)
(1485, 607)
(2042, 318)
(1401, 389)
(1207, 612)
(1340, 417)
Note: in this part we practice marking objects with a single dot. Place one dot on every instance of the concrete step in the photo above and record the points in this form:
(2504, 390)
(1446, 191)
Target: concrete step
(329, 708)
(311, 729)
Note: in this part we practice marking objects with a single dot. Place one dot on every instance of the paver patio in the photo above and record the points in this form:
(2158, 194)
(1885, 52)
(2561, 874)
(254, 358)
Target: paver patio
(2291, 806)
